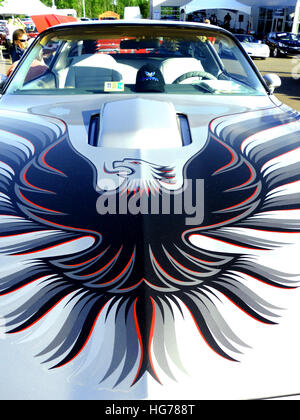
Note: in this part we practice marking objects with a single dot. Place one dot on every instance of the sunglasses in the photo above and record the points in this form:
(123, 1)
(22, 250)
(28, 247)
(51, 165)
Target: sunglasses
(23, 40)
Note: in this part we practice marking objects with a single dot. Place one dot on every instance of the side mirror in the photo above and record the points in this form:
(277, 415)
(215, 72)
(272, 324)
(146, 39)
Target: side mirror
(272, 80)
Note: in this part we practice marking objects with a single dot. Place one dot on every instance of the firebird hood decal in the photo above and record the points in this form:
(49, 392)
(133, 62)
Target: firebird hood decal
(121, 275)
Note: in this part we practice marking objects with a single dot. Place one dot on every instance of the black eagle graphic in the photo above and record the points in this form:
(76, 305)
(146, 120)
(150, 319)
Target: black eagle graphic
(140, 266)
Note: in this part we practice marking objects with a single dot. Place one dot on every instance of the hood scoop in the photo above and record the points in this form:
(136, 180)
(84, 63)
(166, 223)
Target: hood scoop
(139, 123)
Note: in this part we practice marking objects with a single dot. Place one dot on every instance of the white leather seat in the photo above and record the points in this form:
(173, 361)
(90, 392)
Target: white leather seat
(94, 60)
(174, 67)
(93, 72)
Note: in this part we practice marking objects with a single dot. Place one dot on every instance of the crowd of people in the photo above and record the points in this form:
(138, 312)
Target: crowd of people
(209, 19)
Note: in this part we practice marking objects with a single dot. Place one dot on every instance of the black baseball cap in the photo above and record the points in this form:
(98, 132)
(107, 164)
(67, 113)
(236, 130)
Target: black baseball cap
(149, 79)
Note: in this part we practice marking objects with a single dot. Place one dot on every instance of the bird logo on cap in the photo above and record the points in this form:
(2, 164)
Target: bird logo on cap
(150, 76)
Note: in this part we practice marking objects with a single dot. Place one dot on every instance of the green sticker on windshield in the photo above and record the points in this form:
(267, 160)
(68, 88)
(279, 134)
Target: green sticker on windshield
(113, 86)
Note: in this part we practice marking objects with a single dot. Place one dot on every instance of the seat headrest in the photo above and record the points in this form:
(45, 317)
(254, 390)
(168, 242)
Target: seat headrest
(174, 67)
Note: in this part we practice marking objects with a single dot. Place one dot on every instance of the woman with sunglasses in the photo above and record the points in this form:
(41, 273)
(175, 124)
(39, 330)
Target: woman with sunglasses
(20, 44)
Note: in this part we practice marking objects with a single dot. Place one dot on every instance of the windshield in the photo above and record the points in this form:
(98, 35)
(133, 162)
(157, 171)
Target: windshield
(288, 37)
(246, 38)
(109, 59)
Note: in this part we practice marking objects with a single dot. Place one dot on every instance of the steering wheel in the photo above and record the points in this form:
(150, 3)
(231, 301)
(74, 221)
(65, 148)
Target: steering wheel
(196, 73)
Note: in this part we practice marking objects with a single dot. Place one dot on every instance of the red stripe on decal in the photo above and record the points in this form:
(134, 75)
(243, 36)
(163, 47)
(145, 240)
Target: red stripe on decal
(31, 185)
(242, 202)
(45, 154)
(21, 287)
(246, 182)
(54, 246)
(106, 265)
(86, 262)
(122, 272)
(36, 205)
(151, 338)
(230, 151)
(138, 332)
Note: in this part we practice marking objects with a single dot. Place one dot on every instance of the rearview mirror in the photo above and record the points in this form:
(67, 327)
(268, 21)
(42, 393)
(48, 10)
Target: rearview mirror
(136, 44)
(272, 80)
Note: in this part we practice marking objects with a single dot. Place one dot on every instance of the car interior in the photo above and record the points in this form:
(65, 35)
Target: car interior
(187, 65)
(75, 68)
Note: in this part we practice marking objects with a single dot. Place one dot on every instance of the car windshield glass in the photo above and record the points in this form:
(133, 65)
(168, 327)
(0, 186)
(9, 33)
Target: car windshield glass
(110, 59)
(288, 37)
(246, 38)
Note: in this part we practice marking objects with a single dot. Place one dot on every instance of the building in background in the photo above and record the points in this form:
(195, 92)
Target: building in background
(275, 15)
(265, 16)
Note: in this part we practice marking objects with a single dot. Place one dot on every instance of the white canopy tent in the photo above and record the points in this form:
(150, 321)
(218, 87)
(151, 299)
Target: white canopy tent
(24, 7)
(195, 5)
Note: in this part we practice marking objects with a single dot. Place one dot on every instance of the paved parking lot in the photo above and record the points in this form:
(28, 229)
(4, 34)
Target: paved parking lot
(287, 68)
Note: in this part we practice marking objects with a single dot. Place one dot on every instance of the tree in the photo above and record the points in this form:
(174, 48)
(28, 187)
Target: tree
(66, 4)
(94, 8)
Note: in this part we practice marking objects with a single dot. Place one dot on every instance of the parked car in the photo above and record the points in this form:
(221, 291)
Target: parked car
(3, 33)
(253, 47)
(283, 43)
(3, 40)
(3, 26)
(30, 28)
(149, 211)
